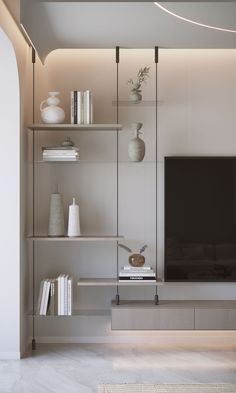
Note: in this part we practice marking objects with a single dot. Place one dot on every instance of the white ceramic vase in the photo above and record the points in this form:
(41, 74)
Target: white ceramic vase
(52, 113)
(136, 150)
(73, 222)
(56, 226)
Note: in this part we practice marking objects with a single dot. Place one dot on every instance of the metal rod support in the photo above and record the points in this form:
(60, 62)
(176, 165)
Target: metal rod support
(156, 299)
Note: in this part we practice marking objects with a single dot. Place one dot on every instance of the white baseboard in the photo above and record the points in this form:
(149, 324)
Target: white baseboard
(10, 355)
(191, 339)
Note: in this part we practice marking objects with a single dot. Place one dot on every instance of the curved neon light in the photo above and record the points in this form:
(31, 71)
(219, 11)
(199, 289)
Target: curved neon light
(193, 21)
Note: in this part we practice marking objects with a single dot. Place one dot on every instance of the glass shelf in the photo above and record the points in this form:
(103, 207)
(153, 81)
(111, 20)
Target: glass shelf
(88, 238)
(111, 282)
(75, 127)
(151, 103)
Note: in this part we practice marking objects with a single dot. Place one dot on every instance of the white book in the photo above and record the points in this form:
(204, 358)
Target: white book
(51, 310)
(52, 159)
(43, 297)
(151, 274)
(88, 107)
(60, 152)
(138, 280)
(80, 112)
(137, 268)
(40, 296)
(70, 295)
(66, 294)
(72, 107)
(59, 294)
(46, 299)
(62, 291)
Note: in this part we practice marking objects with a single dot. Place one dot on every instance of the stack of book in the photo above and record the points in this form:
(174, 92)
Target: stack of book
(81, 107)
(55, 296)
(60, 153)
(144, 273)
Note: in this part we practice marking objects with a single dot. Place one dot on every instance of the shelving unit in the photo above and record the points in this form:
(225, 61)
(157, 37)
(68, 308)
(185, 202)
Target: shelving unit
(115, 237)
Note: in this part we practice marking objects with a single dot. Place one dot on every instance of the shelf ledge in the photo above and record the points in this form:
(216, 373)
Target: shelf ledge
(111, 282)
(75, 127)
(74, 239)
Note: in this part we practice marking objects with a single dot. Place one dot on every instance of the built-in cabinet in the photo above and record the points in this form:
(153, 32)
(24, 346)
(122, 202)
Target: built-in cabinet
(175, 315)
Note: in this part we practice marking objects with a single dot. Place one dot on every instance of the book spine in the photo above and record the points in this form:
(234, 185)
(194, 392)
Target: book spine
(56, 311)
(70, 296)
(40, 297)
(66, 295)
(87, 107)
(62, 295)
(137, 278)
(46, 300)
(43, 297)
(72, 107)
(52, 298)
(80, 107)
(75, 107)
(137, 274)
(59, 295)
(136, 269)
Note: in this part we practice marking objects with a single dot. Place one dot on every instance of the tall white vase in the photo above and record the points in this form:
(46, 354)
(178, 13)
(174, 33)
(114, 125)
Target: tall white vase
(56, 226)
(74, 221)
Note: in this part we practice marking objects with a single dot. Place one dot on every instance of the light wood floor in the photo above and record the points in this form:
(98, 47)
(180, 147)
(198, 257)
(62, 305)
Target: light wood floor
(73, 368)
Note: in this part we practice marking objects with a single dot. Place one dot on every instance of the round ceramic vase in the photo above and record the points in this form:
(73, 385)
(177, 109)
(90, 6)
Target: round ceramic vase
(136, 260)
(135, 97)
(52, 113)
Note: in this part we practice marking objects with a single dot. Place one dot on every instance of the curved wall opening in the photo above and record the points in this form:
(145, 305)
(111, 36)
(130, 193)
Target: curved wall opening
(9, 199)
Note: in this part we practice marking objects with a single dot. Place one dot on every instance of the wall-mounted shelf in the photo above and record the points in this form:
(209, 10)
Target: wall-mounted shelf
(75, 127)
(81, 162)
(110, 282)
(77, 313)
(75, 239)
(151, 103)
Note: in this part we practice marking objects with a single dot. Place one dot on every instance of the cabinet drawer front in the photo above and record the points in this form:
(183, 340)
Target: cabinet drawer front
(215, 319)
(177, 319)
(135, 319)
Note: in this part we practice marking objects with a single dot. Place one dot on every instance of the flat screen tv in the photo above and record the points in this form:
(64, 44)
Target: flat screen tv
(200, 219)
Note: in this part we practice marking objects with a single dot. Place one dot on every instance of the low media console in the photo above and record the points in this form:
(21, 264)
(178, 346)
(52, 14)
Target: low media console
(174, 315)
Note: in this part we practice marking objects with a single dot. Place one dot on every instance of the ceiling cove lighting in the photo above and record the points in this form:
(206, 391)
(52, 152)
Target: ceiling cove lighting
(193, 21)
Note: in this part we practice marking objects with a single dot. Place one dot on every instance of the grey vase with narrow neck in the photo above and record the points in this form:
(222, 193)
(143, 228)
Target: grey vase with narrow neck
(136, 150)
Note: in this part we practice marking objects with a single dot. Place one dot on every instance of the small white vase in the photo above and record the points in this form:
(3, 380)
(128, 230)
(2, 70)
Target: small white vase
(73, 222)
(52, 113)
(136, 150)
(56, 226)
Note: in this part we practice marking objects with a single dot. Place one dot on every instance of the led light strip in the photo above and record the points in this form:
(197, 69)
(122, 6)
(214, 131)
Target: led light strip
(192, 21)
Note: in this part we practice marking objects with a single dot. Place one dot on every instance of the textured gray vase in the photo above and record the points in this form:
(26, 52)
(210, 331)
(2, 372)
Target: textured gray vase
(135, 97)
(56, 226)
(136, 150)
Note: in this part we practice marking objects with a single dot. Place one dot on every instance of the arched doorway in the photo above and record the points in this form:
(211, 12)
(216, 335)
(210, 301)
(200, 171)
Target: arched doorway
(9, 200)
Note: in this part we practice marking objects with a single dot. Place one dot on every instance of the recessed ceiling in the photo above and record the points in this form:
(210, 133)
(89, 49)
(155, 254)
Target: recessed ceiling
(58, 24)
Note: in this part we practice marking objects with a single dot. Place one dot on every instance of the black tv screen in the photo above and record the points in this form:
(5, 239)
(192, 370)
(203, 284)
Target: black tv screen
(200, 219)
